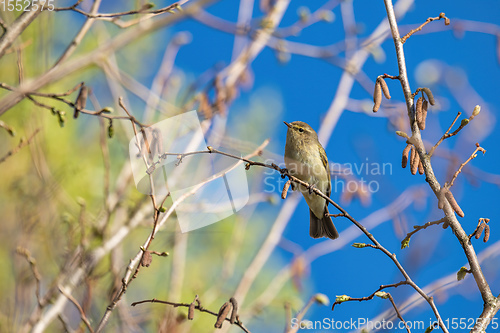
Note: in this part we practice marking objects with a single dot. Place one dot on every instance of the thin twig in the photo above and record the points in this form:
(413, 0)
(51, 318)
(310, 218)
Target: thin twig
(70, 7)
(273, 166)
(34, 269)
(197, 307)
(383, 295)
(49, 95)
(146, 246)
(446, 135)
(398, 313)
(21, 144)
(90, 58)
(134, 266)
(429, 20)
(143, 10)
(471, 157)
(78, 306)
(8, 128)
(420, 227)
(60, 98)
(372, 295)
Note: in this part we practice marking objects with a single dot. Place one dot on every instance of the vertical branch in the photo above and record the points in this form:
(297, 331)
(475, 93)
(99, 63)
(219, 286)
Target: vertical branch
(403, 75)
(491, 303)
(403, 78)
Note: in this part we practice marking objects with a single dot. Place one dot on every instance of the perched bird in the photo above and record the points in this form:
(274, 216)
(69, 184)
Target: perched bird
(305, 158)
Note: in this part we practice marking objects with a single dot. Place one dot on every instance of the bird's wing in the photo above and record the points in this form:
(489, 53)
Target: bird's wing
(324, 159)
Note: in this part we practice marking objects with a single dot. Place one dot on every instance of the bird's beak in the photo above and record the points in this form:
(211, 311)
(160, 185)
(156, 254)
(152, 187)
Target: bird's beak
(287, 124)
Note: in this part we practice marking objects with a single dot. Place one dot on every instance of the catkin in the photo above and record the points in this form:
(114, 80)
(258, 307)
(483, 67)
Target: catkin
(385, 88)
(480, 230)
(428, 92)
(377, 96)
(147, 258)
(81, 100)
(414, 161)
(486, 233)
(223, 312)
(454, 204)
(406, 153)
(234, 313)
(421, 125)
(418, 111)
(191, 311)
(285, 189)
(421, 168)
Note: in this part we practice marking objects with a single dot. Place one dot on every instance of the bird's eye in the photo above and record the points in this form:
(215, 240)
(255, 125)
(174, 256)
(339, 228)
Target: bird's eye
(301, 130)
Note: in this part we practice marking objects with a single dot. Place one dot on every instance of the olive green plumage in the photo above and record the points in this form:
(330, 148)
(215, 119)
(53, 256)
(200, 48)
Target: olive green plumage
(305, 158)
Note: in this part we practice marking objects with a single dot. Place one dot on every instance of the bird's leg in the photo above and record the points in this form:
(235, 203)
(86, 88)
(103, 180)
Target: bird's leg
(311, 188)
(284, 172)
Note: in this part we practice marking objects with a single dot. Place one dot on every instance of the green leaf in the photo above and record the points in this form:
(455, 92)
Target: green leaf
(342, 298)
(429, 329)
(476, 111)
(382, 294)
(462, 273)
(405, 243)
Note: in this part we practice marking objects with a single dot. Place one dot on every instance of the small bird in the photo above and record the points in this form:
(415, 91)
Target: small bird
(305, 158)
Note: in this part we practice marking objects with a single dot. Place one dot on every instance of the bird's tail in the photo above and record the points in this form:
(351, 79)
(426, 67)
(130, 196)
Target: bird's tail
(322, 227)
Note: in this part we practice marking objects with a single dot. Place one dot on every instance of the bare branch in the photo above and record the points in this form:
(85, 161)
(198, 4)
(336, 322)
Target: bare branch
(406, 240)
(78, 306)
(144, 10)
(197, 306)
(463, 123)
(471, 157)
(67, 67)
(378, 293)
(430, 19)
(21, 144)
(34, 269)
(344, 213)
(17, 27)
(445, 135)
(489, 300)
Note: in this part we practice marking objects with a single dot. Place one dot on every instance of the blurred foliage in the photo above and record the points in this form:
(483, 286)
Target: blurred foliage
(45, 186)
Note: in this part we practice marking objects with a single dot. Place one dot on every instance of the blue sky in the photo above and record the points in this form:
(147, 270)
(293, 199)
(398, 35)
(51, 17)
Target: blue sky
(306, 86)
